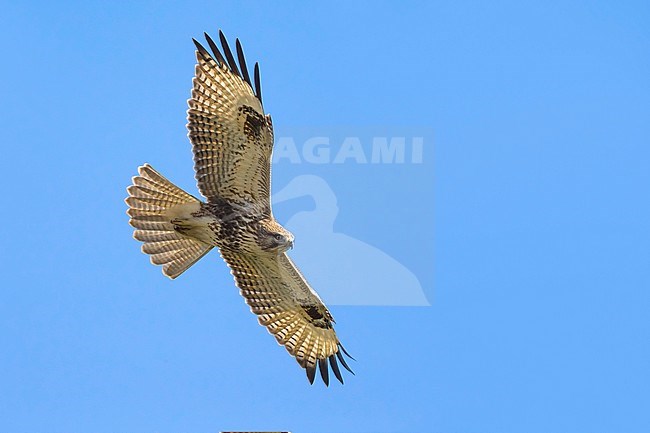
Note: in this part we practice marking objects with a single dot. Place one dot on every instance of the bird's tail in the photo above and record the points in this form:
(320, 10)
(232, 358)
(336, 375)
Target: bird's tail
(150, 198)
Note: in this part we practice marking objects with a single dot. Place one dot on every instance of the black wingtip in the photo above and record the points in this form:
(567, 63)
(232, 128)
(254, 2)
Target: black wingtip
(242, 62)
(228, 53)
(258, 82)
(215, 50)
(228, 59)
(346, 352)
(324, 372)
(204, 53)
(342, 360)
(335, 368)
(311, 373)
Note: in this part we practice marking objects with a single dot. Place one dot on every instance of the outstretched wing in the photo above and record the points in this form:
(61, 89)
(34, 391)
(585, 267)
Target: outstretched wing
(231, 137)
(290, 309)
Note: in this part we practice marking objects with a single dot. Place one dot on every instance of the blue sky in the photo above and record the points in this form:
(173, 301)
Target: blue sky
(527, 223)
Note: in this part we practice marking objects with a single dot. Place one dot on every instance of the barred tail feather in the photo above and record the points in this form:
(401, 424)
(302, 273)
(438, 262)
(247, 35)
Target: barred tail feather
(150, 197)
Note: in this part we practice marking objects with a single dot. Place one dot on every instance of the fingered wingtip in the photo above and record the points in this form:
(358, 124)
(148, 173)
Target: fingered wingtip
(346, 352)
(342, 359)
(324, 372)
(335, 368)
(242, 63)
(200, 49)
(323, 367)
(311, 374)
(236, 64)
(228, 54)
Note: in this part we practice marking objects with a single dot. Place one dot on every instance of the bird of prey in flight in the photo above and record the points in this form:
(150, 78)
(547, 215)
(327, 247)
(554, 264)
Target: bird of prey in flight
(232, 141)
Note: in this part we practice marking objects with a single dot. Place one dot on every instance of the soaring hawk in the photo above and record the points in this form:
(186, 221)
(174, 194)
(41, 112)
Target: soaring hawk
(232, 141)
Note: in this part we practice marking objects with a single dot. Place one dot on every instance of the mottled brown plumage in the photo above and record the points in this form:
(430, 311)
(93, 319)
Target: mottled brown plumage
(232, 141)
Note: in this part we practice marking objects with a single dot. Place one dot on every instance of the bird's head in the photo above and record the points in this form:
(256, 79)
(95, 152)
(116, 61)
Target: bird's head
(274, 237)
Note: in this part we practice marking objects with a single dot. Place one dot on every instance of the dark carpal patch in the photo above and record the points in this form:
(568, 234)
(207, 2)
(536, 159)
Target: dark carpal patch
(319, 320)
(253, 123)
(313, 312)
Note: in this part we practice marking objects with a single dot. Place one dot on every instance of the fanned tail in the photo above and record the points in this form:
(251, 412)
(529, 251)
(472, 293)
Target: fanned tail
(150, 198)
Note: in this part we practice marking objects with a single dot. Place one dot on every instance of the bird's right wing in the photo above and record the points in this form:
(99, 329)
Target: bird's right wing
(290, 309)
(231, 138)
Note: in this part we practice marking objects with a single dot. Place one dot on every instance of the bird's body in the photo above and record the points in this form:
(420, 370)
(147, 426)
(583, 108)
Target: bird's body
(232, 141)
(223, 224)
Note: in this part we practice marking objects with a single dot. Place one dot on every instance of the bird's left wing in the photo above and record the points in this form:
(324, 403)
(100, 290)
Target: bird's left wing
(289, 308)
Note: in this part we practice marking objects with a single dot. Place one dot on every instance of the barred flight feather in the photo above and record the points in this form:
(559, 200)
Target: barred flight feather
(312, 342)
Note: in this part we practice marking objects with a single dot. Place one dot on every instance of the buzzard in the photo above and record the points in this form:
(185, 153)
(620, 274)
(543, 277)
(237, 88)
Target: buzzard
(232, 141)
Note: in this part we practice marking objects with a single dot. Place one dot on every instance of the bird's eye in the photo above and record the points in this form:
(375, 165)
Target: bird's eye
(278, 237)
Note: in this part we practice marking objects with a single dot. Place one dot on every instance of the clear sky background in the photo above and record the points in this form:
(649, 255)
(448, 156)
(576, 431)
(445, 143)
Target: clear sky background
(539, 277)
